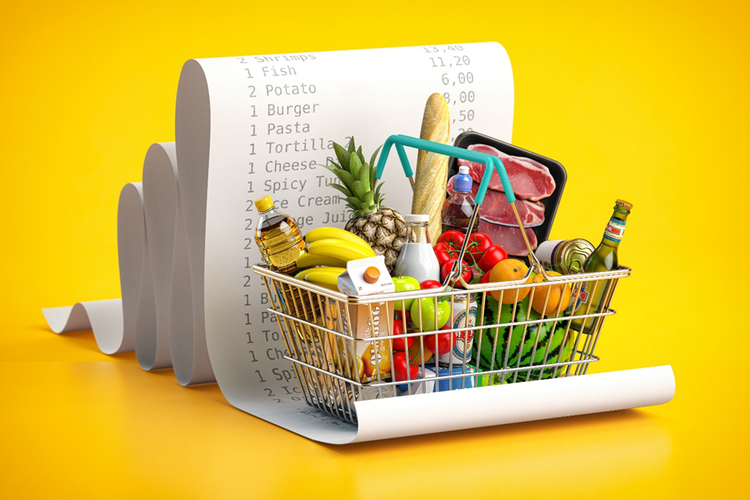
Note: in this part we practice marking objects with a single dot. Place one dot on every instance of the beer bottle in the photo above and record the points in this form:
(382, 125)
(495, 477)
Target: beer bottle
(604, 258)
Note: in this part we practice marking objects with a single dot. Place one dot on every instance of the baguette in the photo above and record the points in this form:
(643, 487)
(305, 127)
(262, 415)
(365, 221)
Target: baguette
(432, 169)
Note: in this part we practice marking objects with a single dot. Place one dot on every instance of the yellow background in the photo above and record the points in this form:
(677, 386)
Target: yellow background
(641, 100)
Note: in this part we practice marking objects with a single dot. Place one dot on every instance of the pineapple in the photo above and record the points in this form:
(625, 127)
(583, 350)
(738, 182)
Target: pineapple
(383, 228)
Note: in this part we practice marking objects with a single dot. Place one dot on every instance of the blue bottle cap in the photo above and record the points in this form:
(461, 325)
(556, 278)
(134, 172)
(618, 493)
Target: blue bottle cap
(462, 181)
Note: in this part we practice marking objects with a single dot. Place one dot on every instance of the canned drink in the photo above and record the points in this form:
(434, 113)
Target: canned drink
(564, 256)
(464, 316)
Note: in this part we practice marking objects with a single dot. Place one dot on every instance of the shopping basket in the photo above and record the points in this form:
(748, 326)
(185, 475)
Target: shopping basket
(342, 349)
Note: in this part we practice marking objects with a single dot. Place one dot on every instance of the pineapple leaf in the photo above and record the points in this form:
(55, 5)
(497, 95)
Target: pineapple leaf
(364, 177)
(342, 155)
(353, 202)
(379, 197)
(374, 156)
(373, 180)
(359, 189)
(368, 199)
(345, 177)
(364, 173)
(350, 147)
(341, 188)
(355, 165)
(359, 153)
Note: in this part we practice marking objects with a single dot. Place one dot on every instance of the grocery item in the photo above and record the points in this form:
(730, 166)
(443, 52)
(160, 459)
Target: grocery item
(365, 277)
(443, 383)
(425, 383)
(383, 228)
(416, 258)
(278, 237)
(478, 244)
(550, 300)
(509, 270)
(339, 249)
(432, 169)
(425, 311)
(564, 256)
(509, 237)
(403, 369)
(523, 345)
(530, 179)
(447, 267)
(310, 260)
(494, 254)
(440, 343)
(323, 276)
(495, 208)
(373, 356)
(328, 232)
(464, 316)
(604, 258)
(404, 284)
(459, 207)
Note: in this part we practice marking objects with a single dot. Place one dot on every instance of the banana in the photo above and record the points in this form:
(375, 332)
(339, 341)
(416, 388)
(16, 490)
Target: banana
(324, 277)
(330, 270)
(327, 232)
(310, 260)
(339, 249)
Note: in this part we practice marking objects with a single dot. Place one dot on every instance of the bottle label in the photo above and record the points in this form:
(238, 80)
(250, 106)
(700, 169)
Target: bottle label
(614, 230)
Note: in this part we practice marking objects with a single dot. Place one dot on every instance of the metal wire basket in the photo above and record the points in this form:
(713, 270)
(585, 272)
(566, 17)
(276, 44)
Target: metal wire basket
(341, 347)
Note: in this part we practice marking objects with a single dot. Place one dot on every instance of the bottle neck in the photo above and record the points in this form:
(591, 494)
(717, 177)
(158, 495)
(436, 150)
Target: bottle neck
(271, 209)
(615, 229)
(419, 233)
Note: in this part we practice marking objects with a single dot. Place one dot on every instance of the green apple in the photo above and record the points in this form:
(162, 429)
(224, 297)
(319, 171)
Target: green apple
(426, 322)
(404, 284)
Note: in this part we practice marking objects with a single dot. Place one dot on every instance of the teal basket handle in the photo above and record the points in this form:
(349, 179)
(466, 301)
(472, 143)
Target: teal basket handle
(490, 162)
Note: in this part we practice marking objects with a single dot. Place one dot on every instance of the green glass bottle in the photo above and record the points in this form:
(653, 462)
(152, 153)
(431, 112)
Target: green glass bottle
(604, 258)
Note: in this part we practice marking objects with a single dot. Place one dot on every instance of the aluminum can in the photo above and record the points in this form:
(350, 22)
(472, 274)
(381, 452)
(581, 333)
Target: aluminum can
(564, 256)
(464, 316)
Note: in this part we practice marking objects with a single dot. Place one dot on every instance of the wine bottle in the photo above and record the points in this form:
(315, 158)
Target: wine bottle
(604, 258)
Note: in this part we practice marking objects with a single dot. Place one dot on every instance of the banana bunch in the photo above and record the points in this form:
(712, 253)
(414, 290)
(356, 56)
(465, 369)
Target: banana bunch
(328, 251)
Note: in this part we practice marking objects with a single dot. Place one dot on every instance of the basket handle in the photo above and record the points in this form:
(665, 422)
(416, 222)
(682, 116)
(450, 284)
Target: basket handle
(491, 162)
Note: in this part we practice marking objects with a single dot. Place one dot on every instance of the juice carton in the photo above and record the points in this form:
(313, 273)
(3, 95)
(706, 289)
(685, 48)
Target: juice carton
(365, 360)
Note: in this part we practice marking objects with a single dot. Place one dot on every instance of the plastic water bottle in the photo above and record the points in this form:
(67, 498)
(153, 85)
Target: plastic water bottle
(458, 208)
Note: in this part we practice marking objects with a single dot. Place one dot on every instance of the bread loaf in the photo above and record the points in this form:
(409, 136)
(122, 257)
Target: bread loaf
(432, 169)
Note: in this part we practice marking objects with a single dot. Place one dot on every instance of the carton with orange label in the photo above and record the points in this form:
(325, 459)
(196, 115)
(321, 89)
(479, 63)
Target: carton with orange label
(367, 360)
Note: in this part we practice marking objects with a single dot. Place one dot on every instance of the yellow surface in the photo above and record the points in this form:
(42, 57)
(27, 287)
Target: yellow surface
(641, 100)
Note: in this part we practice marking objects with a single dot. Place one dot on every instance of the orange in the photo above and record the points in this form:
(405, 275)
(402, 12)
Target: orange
(557, 294)
(510, 270)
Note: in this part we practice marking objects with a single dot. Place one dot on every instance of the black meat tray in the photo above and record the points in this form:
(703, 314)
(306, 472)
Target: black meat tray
(556, 169)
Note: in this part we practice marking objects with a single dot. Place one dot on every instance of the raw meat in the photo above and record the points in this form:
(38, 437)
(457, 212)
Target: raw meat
(530, 179)
(496, 208)
(510, 238)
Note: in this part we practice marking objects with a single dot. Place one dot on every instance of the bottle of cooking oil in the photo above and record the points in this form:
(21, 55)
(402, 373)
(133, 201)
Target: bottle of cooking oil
(278, 237)
(603, 258)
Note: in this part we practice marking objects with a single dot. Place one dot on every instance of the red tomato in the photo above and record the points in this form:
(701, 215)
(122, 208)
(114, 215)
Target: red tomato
(433, 284)
(430, 284)
(454, 239)
(478, 244)
(402, 367)
(440, 343)
(485, 278)
(443, 252)
(403, 343)
(465, 272)
(492, 256)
